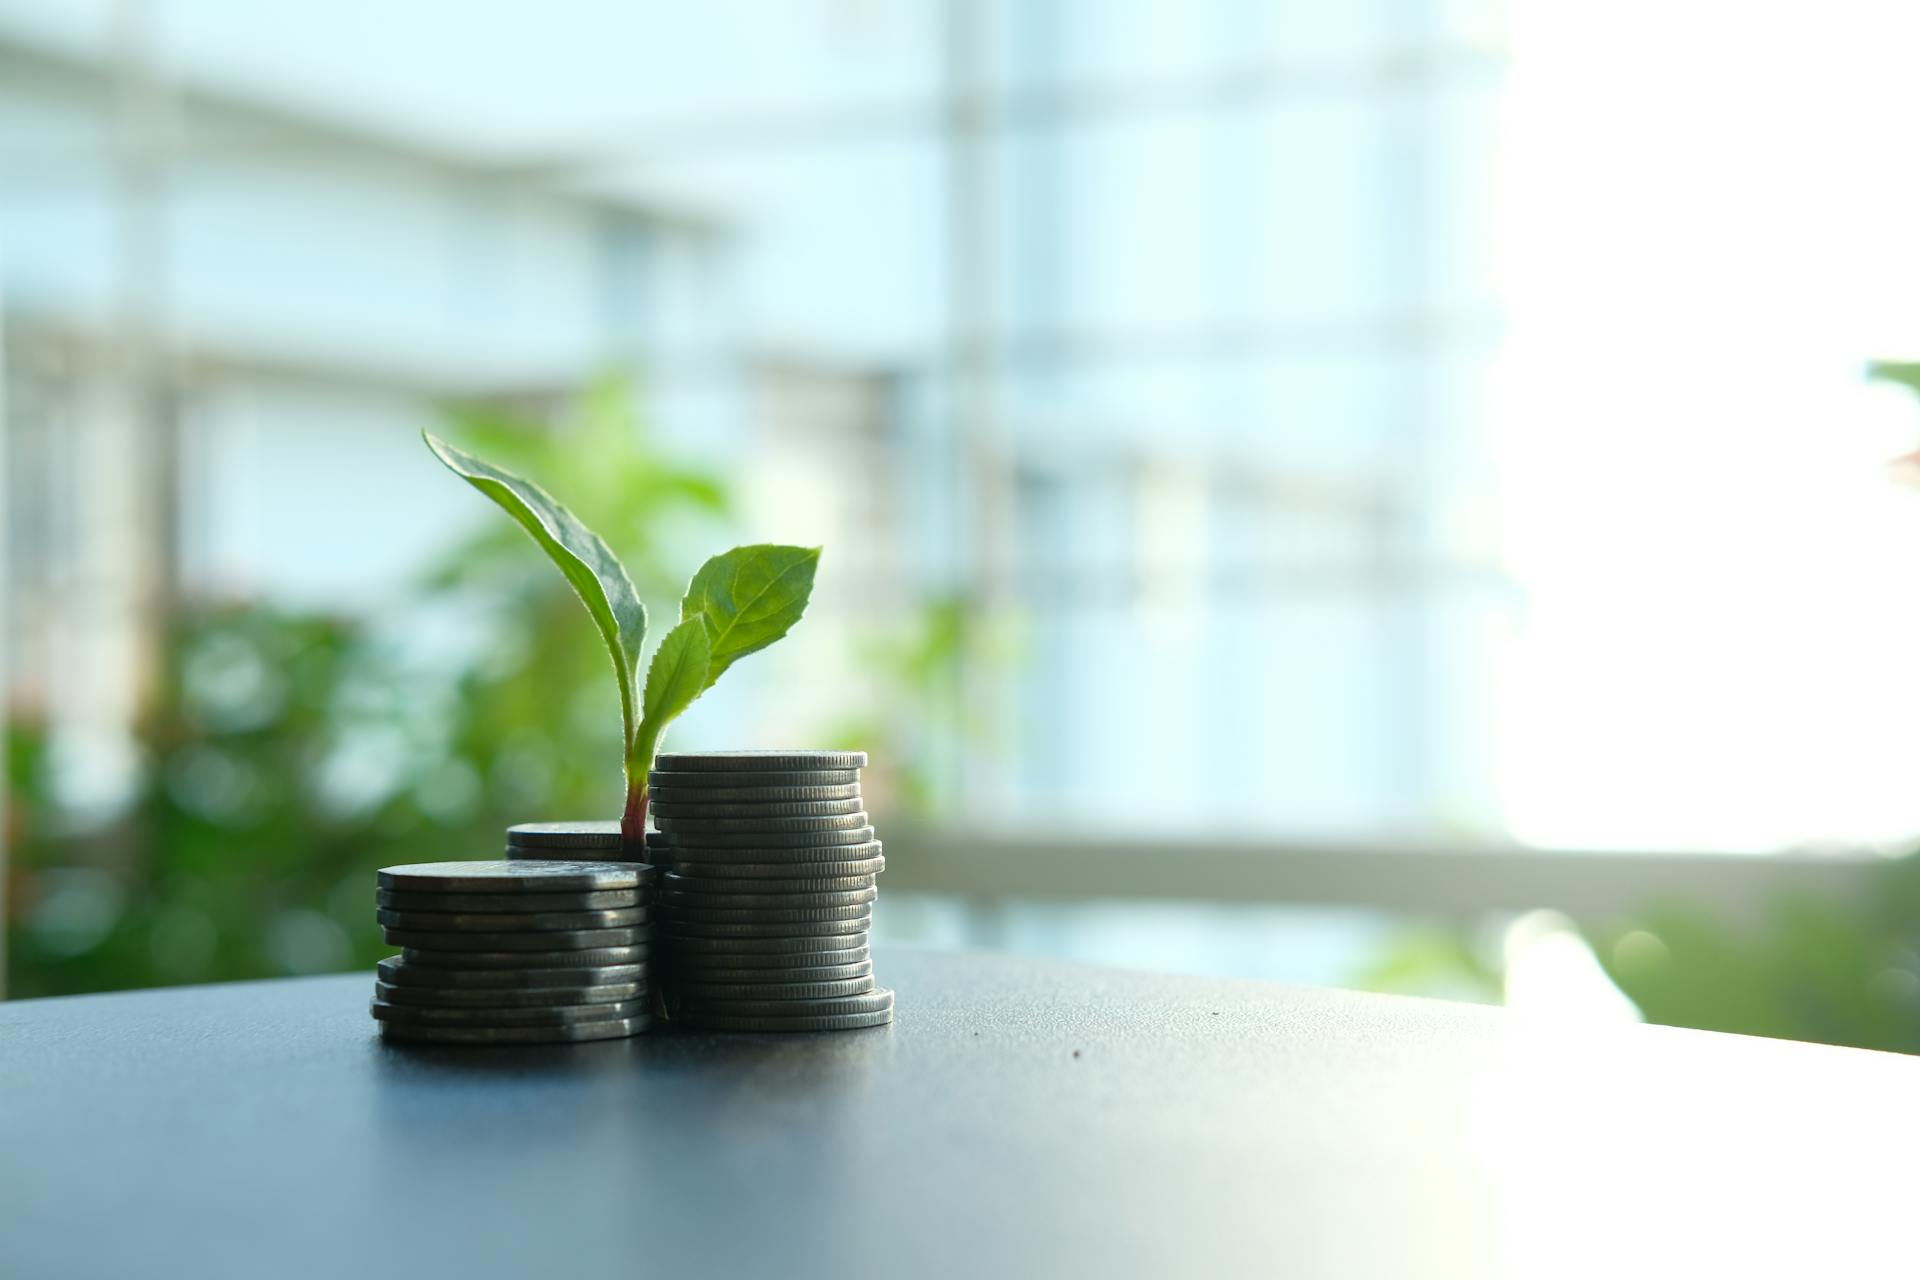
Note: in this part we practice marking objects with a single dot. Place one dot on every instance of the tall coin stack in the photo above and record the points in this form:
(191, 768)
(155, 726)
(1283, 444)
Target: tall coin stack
(515, 952)
(769, 891)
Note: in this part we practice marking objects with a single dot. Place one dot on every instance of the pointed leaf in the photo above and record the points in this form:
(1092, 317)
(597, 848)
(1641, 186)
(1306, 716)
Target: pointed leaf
(674, 678)
(582, 556)
(748, 598)
(677, 675)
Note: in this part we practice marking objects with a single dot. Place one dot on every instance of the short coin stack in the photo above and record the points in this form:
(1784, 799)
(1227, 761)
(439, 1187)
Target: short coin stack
(567, 841)
(515, 952)
(769, 894)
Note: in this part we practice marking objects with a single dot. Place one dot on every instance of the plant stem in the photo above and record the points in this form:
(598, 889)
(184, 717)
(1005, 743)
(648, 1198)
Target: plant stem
(633, 823)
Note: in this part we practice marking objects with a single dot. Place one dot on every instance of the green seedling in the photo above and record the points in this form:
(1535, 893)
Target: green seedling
(739, 602)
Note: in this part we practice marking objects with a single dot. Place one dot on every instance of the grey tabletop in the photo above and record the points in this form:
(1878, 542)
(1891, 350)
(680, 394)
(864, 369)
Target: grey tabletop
(1021, 1117)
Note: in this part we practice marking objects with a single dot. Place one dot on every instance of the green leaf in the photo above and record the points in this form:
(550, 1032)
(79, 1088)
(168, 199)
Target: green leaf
(582, 556)
(748, 598)
(677, 675)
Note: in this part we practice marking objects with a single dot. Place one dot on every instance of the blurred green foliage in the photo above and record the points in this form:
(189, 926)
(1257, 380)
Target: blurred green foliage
(282, 756)
(1904, 372)
(1827, 970)
(1830, 971)
(1432, 960)
(918, 710)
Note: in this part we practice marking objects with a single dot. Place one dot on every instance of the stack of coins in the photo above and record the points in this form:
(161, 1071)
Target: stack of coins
(516, 952)
(765, 907)
(567, 841)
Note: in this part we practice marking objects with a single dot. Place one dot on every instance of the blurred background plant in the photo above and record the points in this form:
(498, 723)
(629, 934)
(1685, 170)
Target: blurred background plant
(1836, 971)
(918, 721)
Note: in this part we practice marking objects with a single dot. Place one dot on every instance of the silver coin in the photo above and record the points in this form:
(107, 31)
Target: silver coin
(676, 929)
(824, 1022)
(679, 963)
(706, 761)
(515, 921)
(525, 961)
(686, 972)
(675, 881)
(521, 1017)
(606, 900)
(401, 973)
(550, 940)
(795, 846)
(872, 1000)
(670, 779)
(569, 1033)
(730, 991)
(706, 867)
(839, 944)
(659, 794)
(717, 914)
(720, 899)
(736, 809)
(852, 933)
(633, 854)
(505, 876)
(565, 835)
(690, 828)
(508, 997)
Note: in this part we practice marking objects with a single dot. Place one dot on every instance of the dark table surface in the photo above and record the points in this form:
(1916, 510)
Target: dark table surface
(1021, 1117)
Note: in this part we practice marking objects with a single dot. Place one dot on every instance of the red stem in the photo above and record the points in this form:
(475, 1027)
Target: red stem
(633, 824)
